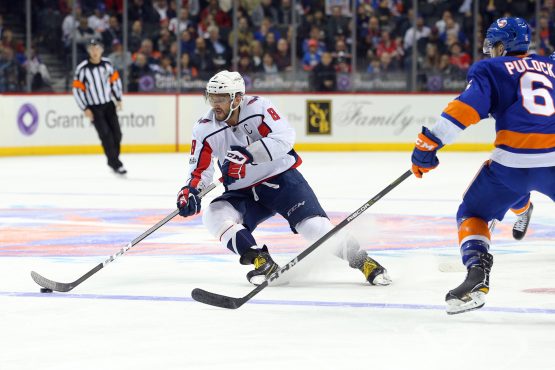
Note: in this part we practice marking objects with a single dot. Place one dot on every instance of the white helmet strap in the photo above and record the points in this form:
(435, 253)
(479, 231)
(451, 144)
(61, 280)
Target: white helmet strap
(231, 108)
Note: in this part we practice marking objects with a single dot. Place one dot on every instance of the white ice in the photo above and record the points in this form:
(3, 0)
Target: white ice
(137, 313)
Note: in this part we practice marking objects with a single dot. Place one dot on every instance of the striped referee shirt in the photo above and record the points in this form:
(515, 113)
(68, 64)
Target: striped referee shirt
(94, 84)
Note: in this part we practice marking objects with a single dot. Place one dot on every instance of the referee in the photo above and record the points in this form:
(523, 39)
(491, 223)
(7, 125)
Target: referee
(94, 83)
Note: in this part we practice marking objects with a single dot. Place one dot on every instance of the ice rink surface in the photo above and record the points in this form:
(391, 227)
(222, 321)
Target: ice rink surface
(62, 215)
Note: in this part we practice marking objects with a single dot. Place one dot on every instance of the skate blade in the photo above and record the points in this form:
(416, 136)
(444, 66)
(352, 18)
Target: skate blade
(456, 306)
(382, 279)
(259, 279)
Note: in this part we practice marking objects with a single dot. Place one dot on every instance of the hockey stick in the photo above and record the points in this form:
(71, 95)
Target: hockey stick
(66, 287)
(223, 301)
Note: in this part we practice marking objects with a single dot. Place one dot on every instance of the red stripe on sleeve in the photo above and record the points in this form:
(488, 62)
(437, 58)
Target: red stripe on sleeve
(264, 129)
(204, 160)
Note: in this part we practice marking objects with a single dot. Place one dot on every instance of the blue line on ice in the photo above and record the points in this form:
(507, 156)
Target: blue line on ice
(399, 306)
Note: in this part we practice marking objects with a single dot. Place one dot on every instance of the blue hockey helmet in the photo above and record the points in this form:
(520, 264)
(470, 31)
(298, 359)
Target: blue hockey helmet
(514, 33)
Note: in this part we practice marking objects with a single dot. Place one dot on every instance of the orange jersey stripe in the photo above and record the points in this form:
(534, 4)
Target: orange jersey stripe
(524, 141)
(473, 226)
(79, 85)
(520, 211)
(462, 112)
(114, 76)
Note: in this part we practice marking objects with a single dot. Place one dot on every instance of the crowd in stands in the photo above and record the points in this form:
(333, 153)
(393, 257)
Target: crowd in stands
(203, 33)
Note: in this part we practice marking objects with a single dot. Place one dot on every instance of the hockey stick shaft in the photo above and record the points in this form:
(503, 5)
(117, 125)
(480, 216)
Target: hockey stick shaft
(222, 301)
(66, 287)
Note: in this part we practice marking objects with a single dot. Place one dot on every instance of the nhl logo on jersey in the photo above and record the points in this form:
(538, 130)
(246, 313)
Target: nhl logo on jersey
(501, 23)
(318, 117)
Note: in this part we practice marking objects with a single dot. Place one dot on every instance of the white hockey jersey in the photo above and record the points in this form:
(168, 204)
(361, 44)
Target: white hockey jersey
(261, 129)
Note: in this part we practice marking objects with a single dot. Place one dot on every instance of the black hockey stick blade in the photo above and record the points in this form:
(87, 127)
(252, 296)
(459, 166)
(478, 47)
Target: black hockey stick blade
(66, 287)
(63, 287)
(222, 301)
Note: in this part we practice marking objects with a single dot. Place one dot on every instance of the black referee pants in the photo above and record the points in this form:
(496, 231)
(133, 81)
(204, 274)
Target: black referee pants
(105, 120)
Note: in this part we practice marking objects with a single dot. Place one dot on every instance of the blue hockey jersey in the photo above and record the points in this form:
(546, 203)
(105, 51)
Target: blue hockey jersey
(519, 94)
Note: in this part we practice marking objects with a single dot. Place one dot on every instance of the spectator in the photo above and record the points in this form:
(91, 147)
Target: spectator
(340, 50)
(147, 49)
(244, 35)
(266, 27)
(374, 66)
(245, 65)
(188, 71)
(204, 24)
(221, 18)
(161, 7)
(221, 53)
(453, 29)
(187, 43)
(136, 36)
(269, 43)
(8, 40)
(324, 77)
(69, 25)
(138, 71)
(83, 35)
(386, 63)
(264, 10)
(315, 34)
(337, 23)
(193, 6)
(387, 45)
(144, 12)
(282, 57)
(202, 58)
(268, 64)
(12, 75)
(1, 26)
(441, 24)
(99, 20)
(285, 12)
(431, 58)
(119, 60)
(371, 39)
(40, 77)
(256, 54)
(342, 64)
(179, 25)
(114, 6)
(113, 32)
(312, 57)
(164, 41)
(166, 67)
(459, 58)
(421, 31)
(384, 12)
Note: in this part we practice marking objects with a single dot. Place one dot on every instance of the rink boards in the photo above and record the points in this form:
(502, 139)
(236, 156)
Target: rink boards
(53, 124)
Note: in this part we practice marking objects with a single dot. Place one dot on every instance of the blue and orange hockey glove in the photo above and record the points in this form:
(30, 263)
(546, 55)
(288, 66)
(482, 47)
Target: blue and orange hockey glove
(424, 155)
(235, 163)
(188, 201)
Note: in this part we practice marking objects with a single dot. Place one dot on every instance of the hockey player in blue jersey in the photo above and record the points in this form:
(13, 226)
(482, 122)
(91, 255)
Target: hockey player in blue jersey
(517, 89)
(252, 143)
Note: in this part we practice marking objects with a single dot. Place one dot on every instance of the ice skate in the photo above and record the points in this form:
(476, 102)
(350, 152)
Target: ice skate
(373, 272)
(521, 225)
(120, 170)
(471, 294)
(263, 263)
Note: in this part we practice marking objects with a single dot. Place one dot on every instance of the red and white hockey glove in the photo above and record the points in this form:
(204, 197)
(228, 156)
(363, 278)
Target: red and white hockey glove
(235, 163)
(424, 155)
(188, 201)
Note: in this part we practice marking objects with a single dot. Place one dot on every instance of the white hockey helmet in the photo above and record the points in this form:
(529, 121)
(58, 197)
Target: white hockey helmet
(226, 82)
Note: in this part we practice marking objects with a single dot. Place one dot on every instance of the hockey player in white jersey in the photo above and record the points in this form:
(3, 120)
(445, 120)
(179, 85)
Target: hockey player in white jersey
(253, 145)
